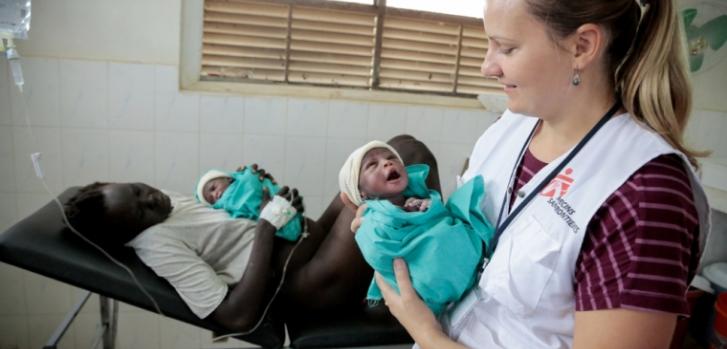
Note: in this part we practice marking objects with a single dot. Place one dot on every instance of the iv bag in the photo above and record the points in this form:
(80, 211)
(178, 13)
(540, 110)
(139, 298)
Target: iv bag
(14, 19)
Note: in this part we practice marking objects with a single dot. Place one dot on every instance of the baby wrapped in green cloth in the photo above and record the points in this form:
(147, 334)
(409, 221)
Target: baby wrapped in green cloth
(441, 243)
(240, 194)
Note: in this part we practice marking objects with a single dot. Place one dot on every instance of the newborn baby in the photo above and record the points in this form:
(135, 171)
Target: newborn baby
(241, 193)
(442, 244)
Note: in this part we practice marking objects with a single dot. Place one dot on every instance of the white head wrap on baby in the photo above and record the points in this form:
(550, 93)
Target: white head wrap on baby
(349, 175)
(210, 175)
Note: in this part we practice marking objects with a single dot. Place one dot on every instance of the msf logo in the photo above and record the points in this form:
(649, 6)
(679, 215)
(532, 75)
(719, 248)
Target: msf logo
(558, 187)
(555, 191)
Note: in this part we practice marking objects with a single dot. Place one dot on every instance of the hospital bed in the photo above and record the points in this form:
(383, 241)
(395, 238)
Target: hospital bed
(40, 243)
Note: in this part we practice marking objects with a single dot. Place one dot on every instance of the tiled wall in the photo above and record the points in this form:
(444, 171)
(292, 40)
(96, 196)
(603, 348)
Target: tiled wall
(97, 120)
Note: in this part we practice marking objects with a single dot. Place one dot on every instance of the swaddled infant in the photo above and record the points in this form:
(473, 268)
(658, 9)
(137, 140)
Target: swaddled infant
(442, 244)
(241, 193)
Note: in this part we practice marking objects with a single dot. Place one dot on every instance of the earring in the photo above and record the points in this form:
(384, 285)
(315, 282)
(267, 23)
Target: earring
(576, 77)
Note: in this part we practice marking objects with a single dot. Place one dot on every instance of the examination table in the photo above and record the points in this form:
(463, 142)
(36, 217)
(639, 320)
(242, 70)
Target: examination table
(41, 243)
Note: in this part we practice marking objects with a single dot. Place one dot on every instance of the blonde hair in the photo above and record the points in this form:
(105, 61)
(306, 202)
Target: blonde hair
(654, 80)
(645, 56)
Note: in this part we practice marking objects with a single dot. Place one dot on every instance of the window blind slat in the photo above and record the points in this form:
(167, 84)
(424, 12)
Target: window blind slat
(474, 43)
(474, 53)
(416, 46)
(329, 68)
(327, 37)
(474, 32)
(243, 62)
(232, 51)
(418, 56)
(470, 71)
(470, 62)
(330, 48)
(238, 29)
(330, 58)
(418, 36)
(238, 40)
(248, 8)
(261, 21)
(417, 66)
(335, 28)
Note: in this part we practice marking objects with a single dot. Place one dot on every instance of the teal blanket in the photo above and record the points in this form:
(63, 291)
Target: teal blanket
(442, 246)
(242, 200)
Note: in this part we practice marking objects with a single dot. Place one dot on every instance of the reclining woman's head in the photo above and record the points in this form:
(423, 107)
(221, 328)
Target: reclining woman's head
(112, 214)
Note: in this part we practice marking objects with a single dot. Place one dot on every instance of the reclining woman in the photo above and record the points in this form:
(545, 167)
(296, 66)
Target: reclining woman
(226, 269)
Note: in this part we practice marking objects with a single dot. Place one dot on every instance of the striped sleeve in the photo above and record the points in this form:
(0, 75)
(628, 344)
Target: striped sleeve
(640, 249)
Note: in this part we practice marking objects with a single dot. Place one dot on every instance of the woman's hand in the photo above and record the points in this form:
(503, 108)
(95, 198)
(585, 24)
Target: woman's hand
(282, 208)
(408, 308)
(292, 196)
(262, 174)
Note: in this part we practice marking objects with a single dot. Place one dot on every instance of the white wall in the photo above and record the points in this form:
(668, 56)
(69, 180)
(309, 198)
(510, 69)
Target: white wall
(141, 31)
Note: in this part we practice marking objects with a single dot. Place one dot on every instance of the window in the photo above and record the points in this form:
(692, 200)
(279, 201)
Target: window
(342, 44)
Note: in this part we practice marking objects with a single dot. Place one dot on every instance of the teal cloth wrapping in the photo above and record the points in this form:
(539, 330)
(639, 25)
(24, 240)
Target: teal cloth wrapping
(442, 246)
(242, 199)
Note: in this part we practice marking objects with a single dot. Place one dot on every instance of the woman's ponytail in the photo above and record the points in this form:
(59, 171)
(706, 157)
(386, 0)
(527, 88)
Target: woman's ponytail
(653, 80)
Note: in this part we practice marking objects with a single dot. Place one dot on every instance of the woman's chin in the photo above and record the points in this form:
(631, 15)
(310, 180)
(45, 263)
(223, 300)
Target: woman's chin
(514, 107)
(518, 108)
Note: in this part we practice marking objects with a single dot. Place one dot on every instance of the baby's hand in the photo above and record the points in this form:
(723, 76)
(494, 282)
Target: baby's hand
(416, 204)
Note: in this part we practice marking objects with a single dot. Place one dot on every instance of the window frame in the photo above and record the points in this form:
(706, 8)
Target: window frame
(191, 62)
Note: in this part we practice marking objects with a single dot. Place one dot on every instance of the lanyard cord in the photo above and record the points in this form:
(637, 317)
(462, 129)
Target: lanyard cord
(501, 227)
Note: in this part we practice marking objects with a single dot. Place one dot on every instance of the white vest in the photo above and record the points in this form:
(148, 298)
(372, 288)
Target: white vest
(525, 298)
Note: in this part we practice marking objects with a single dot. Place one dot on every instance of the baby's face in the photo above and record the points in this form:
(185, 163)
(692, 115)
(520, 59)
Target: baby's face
(213, 189)
(382, 175)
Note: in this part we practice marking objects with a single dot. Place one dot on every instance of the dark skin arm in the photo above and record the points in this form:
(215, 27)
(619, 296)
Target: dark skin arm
(336, 274)
(244, 303)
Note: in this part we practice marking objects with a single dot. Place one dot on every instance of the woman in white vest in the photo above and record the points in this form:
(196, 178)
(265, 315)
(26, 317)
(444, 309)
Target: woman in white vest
(599, 213)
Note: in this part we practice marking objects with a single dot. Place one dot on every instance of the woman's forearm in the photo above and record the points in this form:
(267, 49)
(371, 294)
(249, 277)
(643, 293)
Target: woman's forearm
(243, 305)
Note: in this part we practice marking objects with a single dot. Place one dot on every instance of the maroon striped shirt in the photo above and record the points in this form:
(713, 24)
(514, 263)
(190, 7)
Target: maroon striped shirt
(641, 247)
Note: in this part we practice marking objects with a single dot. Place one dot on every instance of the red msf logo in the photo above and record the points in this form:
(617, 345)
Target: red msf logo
(559, 186)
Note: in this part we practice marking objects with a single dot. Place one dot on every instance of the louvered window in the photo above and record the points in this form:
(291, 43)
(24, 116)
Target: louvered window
(345, 45)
